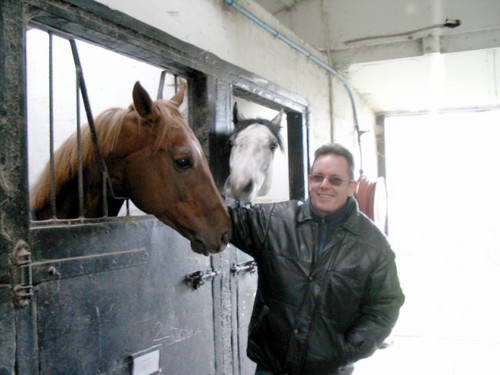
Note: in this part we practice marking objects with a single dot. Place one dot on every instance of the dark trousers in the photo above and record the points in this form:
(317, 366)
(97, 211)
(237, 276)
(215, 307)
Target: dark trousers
(347, 370)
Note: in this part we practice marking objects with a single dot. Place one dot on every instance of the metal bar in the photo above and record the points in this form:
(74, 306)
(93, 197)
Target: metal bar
(161, 85)
(81, 208)
(248, 266)
(93, 132)
(53, 207)
(105, 195)
(67, 268)
(90, 119)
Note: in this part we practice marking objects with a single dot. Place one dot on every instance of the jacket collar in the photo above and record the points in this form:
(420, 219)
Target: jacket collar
(351, 224)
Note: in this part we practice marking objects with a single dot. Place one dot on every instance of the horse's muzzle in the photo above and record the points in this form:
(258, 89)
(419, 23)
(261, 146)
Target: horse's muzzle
(202, 247)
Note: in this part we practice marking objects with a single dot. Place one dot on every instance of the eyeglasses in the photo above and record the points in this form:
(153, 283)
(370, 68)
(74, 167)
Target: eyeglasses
(333, 180)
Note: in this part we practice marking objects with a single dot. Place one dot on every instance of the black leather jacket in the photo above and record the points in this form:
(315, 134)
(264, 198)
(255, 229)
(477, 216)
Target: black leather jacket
(312, 316)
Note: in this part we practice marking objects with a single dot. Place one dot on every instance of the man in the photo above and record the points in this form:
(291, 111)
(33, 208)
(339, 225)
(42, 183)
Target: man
(328, 291)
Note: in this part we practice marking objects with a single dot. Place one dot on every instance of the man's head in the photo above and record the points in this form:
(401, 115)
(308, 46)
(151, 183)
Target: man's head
(331, 181)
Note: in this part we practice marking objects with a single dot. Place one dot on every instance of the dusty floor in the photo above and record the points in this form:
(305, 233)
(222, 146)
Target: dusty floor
(424, 356)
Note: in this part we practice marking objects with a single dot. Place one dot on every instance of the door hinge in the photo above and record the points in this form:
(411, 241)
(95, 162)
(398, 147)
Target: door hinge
(22, 274)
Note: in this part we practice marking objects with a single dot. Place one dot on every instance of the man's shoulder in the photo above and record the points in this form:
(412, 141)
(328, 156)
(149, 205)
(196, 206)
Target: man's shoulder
(367, 231)
(287, 206)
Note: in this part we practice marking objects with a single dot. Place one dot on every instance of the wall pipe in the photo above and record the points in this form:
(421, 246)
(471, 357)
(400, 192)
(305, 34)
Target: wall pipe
(311, 57)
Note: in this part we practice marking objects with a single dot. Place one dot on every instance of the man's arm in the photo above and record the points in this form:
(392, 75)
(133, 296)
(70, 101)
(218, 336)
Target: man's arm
(379, 311)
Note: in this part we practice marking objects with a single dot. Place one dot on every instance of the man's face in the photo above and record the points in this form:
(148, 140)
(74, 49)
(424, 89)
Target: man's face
(326, 197)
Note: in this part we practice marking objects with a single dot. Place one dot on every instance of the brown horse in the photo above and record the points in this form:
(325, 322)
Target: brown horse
(153, 158)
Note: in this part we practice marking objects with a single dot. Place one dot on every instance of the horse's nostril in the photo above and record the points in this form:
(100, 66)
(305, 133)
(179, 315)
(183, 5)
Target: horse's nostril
(248, 188)
(226, 237)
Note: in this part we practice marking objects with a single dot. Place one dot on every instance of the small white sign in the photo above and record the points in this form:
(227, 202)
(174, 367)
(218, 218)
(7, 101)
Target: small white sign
(146, 364)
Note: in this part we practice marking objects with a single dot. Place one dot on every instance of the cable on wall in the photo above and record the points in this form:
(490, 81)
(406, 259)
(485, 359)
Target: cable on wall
(451, 24)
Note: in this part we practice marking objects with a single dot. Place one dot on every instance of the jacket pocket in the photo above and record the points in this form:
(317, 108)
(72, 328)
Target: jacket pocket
(342, 300)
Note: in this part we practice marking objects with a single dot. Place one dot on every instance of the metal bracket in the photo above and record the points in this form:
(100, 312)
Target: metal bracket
(23, 284)
(249, 266)
(198, 278)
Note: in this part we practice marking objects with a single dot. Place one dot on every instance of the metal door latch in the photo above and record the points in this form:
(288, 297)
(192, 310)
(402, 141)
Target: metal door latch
(23, 284)
(249, 266)
(198, 278)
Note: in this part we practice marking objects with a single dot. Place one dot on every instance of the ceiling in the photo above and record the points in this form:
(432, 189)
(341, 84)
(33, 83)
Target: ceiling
(403, 58)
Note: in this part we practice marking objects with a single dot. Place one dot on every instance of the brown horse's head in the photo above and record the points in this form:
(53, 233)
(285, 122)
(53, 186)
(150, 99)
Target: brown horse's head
(155, 160)
(166, 174)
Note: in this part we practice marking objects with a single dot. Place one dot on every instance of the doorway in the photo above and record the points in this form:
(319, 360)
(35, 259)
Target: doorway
(442, 179)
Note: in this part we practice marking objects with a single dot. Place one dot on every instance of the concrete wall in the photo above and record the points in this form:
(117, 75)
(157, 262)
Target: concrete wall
(344, 21)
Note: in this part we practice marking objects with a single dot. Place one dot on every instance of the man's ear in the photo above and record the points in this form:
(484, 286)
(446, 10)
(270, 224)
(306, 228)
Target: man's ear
(353, 186)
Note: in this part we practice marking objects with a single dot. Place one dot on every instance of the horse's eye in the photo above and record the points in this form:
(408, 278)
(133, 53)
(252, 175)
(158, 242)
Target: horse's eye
(184, 163)
(273, 146)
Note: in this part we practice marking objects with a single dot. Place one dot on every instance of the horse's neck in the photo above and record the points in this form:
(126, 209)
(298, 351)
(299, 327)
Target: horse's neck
(68, 203)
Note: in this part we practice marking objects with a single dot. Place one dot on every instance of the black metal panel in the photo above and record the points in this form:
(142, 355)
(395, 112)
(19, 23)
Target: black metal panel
(57, 242)
(13, 175)
(219, 100)
(244, 285)
(298, 152)
(7, 330)
(68, 268)
(92, 322)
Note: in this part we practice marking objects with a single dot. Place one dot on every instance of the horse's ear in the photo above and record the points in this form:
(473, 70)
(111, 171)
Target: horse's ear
(143, 103)
(277, 119)
(237, 116)
(178, 98)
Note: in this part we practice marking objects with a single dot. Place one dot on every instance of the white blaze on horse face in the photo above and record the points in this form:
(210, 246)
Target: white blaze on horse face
(195, 145)
(250, 163)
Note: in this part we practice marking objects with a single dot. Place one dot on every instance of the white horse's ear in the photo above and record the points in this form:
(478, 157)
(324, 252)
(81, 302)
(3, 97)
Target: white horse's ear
(237, 116)
(277, 119)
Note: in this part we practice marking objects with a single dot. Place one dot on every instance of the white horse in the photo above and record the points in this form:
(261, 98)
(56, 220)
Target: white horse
(253, 144)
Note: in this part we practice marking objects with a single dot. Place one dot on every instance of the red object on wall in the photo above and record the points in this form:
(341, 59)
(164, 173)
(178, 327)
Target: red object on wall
(372, 199)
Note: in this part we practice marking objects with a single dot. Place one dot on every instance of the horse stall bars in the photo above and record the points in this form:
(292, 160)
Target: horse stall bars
(79, 81)
(81, 87)
(80, 94)
(110, 292)
(53, 207)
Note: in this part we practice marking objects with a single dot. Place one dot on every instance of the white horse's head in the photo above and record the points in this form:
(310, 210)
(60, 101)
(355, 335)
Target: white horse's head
(253, 144)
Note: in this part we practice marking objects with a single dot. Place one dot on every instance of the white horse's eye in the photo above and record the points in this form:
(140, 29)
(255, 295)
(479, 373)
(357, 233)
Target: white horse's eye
(273, 146)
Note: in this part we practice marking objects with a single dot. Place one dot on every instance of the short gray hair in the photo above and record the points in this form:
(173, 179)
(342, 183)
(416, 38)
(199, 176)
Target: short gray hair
(336, 149)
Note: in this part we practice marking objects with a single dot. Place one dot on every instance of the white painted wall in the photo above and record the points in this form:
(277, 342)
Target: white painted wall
(218, 28)
(348, 20)
(416, 69)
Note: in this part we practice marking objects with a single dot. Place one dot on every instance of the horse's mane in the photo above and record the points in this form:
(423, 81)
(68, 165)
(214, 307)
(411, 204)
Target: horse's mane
(108, 126)
(274, 128)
